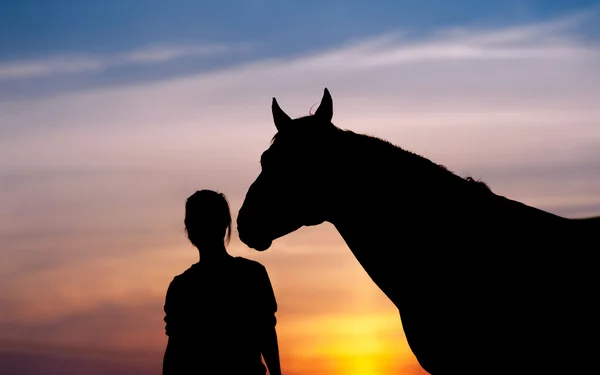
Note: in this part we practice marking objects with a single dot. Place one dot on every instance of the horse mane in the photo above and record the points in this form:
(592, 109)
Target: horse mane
(395, 153)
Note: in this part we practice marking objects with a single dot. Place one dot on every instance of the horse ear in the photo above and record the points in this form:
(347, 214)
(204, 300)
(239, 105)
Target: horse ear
(281, 119)
(325, 110)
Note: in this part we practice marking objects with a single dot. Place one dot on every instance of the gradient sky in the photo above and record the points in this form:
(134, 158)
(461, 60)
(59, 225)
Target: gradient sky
(113, 112)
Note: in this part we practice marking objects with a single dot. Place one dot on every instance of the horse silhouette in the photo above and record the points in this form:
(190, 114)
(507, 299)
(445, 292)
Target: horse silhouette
(484, 284)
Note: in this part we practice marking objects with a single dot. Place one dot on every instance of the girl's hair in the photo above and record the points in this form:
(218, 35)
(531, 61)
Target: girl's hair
(207, 214)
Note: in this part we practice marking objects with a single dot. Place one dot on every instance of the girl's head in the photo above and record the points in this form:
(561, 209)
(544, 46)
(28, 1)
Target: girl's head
(207, 218)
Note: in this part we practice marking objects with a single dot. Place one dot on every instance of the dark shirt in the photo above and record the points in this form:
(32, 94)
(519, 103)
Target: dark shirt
(217, 315)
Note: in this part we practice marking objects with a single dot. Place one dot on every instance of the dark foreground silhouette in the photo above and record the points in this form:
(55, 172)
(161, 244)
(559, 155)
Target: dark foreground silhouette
(220, 313)
(484, 284)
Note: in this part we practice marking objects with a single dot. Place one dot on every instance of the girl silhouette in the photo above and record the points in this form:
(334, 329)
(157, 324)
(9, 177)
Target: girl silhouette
(220, 312)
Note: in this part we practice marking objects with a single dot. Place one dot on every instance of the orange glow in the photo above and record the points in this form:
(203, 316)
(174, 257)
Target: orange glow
(370, 344)
(117, 305)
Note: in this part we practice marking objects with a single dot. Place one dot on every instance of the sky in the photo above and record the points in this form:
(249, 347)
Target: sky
(112, 113)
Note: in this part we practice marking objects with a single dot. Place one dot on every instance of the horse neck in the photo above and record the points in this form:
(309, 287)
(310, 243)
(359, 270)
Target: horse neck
(366, 208)
(368, 236)
(371, 205)
(369, 197)
(587, 230)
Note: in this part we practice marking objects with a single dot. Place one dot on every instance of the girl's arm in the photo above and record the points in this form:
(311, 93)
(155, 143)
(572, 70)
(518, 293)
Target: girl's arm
(169, 360)
(270, 351)
(269, 344)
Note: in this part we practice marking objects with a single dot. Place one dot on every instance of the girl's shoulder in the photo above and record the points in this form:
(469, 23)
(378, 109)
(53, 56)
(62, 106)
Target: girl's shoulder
(248, 264)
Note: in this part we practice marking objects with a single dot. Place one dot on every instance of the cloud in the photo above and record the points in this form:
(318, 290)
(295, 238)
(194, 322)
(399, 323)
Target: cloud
(90, 63)
(469, 99)
(556, 39)
(32, 359)
(107, 169)
(507, 105)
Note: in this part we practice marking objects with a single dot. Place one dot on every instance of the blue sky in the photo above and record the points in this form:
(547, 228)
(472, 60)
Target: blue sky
(33, 30)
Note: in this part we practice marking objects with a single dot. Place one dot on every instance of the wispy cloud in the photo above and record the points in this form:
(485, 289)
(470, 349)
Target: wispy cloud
(555, 39)
(92, 63)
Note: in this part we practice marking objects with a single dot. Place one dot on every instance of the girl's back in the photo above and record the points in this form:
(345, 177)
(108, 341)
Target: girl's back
(216, 316)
